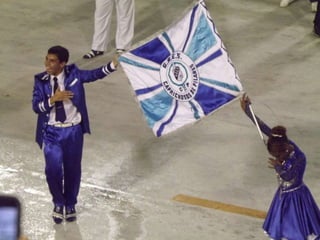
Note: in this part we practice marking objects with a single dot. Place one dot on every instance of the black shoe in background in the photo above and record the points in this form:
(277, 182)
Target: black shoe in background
(92, 54)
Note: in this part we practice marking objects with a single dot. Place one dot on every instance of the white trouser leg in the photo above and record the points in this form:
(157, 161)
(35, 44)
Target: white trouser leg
(102, 22)
(125, 23)
(314, 6)
(285, 3)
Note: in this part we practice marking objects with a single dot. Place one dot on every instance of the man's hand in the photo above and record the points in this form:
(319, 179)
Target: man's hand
(61, 96)
(115, 60)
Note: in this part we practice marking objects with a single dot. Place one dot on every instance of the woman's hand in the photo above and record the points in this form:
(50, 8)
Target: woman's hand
(274, 162)
(245, 101)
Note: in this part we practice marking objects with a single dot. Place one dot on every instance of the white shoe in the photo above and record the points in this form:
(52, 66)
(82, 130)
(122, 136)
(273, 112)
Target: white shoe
(314, 6)
(285, 3)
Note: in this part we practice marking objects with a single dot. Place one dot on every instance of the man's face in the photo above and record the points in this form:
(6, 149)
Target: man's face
(53, 65)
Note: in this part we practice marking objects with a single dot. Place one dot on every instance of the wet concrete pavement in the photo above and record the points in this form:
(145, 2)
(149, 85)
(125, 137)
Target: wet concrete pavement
(129, 176)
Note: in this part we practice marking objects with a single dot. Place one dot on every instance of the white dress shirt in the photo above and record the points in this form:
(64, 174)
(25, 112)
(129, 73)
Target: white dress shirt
(72, 114)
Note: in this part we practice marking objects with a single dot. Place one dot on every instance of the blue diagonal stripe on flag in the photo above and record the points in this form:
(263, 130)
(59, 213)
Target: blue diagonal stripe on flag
(183, 74)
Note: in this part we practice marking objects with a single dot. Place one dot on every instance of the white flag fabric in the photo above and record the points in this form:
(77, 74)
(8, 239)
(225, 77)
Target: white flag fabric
(183, 74)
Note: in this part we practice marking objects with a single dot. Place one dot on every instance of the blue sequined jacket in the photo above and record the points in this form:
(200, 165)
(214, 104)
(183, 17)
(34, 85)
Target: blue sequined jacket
(74, 80)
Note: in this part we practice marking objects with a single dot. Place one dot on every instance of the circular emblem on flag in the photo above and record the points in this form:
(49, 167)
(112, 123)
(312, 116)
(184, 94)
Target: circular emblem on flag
(179, 76)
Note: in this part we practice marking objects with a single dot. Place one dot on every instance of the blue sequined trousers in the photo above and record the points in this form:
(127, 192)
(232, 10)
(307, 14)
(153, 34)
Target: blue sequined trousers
(63, 153)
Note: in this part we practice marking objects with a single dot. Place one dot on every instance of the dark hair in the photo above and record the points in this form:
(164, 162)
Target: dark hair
(278, 136)
(61, 52)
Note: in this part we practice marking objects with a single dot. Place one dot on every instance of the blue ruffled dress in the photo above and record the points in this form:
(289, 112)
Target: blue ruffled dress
(293, 213)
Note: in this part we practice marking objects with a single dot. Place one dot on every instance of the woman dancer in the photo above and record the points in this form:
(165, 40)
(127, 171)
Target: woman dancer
(293, 213)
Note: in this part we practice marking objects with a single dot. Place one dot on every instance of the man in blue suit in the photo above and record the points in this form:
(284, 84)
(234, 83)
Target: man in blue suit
(59, 100)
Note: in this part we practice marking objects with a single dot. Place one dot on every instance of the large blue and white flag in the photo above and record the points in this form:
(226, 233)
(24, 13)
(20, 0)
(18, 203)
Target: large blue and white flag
(183, 74)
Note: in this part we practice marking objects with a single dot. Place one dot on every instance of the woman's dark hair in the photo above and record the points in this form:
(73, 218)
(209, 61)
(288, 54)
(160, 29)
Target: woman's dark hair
(61, 52)
(278, 136)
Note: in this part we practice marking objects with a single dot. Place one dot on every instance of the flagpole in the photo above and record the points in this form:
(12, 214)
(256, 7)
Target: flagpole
(256, 122)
